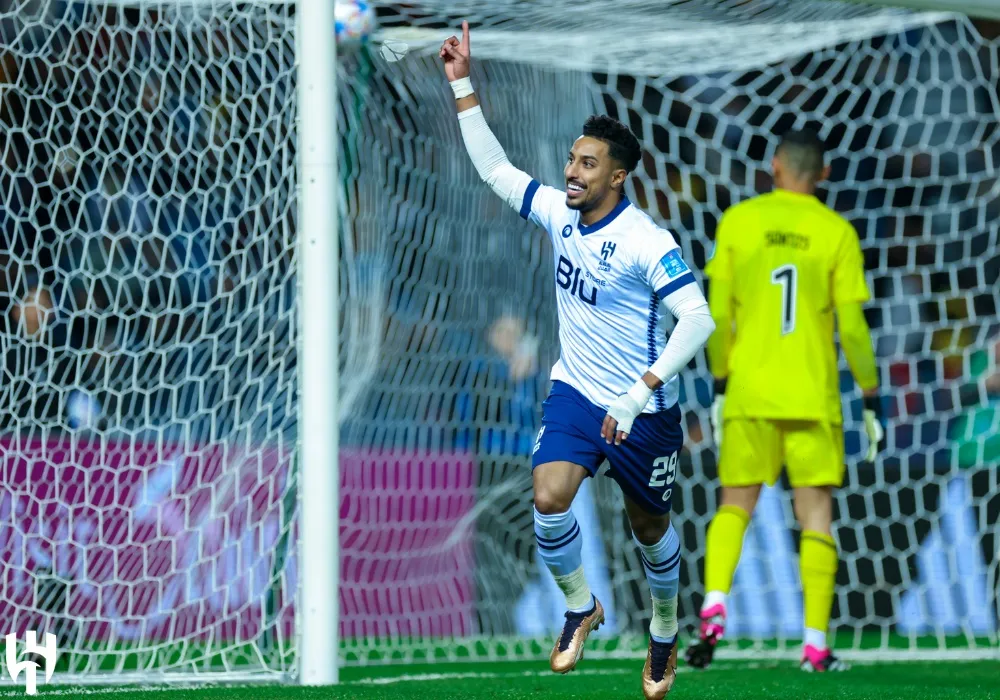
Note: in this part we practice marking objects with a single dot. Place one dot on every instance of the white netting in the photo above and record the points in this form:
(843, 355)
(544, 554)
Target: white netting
(148, 404)
(638, 37)
(147, 398)
(908, 104)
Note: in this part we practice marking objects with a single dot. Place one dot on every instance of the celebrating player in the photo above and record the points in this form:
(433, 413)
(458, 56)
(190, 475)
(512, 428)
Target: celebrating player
(783, 265)
(614, 392)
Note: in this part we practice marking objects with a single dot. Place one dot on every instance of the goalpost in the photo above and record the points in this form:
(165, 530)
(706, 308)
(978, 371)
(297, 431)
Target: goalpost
(319, 378)
(195, 191)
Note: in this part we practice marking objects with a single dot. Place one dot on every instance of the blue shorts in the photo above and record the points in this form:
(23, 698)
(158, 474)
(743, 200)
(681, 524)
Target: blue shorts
(644, 465)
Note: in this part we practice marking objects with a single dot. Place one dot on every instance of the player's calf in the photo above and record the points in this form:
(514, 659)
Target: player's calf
(559, 546)
(661, 561)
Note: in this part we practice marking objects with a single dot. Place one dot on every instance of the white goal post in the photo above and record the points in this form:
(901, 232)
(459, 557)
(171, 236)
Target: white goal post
(318, 252)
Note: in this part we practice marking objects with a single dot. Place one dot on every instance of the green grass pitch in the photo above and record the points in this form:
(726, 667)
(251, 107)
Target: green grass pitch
(604, 679)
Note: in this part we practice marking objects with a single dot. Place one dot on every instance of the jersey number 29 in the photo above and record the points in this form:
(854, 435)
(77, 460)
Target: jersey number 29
(788, 277)
(665, 474)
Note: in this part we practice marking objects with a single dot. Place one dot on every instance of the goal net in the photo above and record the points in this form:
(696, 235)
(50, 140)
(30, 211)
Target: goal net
(148, 402)
(908, 105)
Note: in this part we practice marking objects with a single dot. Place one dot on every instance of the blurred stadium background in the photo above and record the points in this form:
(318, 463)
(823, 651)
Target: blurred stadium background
(148, 405)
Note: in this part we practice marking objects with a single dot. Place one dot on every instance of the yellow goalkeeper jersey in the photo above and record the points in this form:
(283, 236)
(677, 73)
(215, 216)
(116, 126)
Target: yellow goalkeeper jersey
(787, 262)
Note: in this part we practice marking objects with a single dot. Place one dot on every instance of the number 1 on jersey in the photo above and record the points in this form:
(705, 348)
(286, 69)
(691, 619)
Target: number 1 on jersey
(787, 277)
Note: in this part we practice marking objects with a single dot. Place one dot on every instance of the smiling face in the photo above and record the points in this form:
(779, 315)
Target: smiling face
(592, 175)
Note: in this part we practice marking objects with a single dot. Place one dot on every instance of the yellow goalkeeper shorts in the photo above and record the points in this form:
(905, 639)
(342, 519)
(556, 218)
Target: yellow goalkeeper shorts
(754, 449)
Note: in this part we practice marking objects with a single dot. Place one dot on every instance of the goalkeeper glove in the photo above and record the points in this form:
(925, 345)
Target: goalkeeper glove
(716, 415)
(872, 415)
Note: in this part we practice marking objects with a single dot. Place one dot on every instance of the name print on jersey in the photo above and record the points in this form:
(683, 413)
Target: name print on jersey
(568, 277)
(788, 240)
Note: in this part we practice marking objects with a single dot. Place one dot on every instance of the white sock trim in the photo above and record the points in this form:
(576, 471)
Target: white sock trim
(659, 552)
(552, 519)
(713, 598)
(815, 638)
(574, 587)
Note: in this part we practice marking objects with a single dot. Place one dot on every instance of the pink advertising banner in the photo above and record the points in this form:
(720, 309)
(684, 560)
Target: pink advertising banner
(155, 542)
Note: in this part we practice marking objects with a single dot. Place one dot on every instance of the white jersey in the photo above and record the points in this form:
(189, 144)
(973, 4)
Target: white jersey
(612, 278)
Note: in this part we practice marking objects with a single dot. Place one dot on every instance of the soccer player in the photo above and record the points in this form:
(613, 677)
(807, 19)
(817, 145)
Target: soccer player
(783, 265)
(614, 387)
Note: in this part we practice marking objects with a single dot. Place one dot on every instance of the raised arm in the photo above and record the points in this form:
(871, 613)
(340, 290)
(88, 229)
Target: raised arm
(485, 151)
(457, 57)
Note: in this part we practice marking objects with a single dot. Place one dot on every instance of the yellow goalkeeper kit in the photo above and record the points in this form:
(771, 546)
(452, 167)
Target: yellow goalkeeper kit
(783, 265)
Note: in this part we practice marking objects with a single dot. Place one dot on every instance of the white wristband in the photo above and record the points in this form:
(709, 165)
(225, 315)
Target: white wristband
(462, 87)
(640, 393)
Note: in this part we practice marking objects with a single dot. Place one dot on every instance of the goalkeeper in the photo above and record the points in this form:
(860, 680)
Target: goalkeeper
(783, 265)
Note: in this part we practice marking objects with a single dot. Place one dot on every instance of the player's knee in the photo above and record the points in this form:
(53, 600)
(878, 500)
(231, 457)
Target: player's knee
(814, 509)
(549, 500)
(743, 497)
(650, 530)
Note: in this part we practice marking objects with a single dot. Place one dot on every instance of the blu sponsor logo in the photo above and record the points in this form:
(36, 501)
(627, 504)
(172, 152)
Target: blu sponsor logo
(568, 277)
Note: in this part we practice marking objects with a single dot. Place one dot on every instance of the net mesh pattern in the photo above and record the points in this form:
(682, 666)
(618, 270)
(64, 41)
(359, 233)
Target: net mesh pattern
(470, 329)
(148, 394)
(148, 271)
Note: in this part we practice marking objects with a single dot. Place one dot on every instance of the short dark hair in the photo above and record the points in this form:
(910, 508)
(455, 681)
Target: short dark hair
(804, 152)
(622, 143)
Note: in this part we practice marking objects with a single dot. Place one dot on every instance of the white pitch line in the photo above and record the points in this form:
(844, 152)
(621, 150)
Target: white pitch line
(720, 666)
(388, 680)
(42, 692)
(385, 680)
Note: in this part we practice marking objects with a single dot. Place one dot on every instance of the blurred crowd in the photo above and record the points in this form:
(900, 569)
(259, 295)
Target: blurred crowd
(148, 222)
(145, 216)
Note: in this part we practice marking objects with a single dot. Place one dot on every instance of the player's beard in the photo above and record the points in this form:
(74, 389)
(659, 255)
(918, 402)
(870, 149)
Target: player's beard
(582, 202)
(588, 199)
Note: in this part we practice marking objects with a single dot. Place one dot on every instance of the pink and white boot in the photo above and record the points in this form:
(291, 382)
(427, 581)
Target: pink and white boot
(815, 660)
(713, 627)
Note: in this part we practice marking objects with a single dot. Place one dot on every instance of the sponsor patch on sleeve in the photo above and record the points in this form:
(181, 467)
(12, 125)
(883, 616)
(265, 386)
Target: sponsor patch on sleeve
(674, 264)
